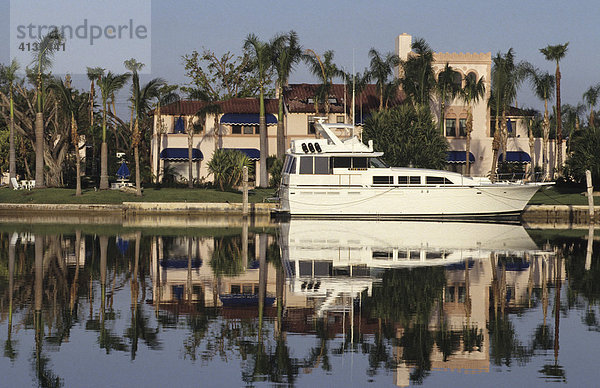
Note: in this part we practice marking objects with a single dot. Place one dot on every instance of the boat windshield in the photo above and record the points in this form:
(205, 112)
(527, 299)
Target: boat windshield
(377, 163)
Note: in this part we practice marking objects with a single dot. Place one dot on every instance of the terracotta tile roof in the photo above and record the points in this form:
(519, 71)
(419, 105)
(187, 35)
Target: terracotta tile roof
(298, 95)
(234, 105)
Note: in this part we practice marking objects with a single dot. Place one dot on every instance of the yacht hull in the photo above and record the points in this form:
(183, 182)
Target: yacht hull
(444, 202)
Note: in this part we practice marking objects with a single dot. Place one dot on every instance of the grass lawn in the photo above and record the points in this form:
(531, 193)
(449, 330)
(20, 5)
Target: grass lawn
(561, 195)
(54, 195)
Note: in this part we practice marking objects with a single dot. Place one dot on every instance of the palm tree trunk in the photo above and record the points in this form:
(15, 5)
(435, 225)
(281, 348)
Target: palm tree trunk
(495, 148)
(104, 166)
(12, 164)
(546, 134)
(280, 128)
(559, 137)
(75, 138)
(39, 150)
(138, 179)
(264, 145)
(468, 145)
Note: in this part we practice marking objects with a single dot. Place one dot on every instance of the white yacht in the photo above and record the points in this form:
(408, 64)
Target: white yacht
(330, 177)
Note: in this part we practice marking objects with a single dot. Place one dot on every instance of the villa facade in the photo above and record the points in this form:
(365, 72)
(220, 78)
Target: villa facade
(236, 124)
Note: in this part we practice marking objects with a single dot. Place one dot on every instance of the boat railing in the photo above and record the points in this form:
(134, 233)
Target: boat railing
(518, 177)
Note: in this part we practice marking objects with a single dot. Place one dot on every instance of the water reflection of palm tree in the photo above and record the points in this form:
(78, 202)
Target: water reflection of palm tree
(9, 346)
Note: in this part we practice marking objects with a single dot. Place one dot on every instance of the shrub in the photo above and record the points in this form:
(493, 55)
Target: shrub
(275, 173)
(226, 166)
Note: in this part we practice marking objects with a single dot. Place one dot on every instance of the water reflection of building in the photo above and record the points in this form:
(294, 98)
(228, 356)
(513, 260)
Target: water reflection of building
(486, 266)
(191, 271)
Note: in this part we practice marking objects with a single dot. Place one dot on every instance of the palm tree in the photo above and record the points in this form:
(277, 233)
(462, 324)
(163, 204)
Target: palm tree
(446, 88)
(211, 108)
(93, 74)
(63, 90)
(166, 95)
(473, 91)
(381, 68)
(506, 77)
(287, 52)
(556, 53)
(326, 71)
(260, 54)
(591, 98)
(543, 87)
(109, 83)
(9, 73)
(418, 79)
(42, 60)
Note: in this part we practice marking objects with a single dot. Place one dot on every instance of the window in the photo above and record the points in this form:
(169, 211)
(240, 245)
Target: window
(383, 180)
(311, 125)
(340, 119)
(403, 180)
(244, 129)
(306, 165)
(462, 127)
(451, 127)
(342, 162)
(236, 289)
(383, 255)
(437, 180)
(179, 124)
(360, 162)
(321, 165)
(511, 127)
(377, 163)
(457, 80)
(290, 165)
(415, 180)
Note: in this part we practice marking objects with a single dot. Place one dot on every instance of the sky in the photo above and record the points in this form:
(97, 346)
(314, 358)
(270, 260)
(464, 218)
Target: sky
(352, 28)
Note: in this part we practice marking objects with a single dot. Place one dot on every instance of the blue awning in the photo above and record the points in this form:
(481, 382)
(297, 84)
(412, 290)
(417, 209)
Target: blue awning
(123, 171)
(251, 153)
(459, 157)
(515, 157)
(246, 119)
(179, 154)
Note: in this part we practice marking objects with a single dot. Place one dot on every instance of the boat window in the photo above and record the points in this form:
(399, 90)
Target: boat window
(402, 180)
(383, 255)
(286, 164)
(383, 180)
(415, 180)
(322, 165)
(322, 268)
(306, 165)
(377, 163)
(305, 268)
(437, 180)
(342, 162)
(359, 162)
(290, 165)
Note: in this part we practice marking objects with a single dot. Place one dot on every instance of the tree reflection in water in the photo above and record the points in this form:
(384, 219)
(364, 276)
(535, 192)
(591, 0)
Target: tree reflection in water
(47, 285)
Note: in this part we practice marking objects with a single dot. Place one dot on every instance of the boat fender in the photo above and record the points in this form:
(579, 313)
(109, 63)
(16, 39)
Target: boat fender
(311, 147)
(318, 147)
(304, 148)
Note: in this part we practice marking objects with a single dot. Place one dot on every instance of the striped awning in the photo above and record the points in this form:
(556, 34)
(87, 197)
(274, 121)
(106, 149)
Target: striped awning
(246, 119)
(251, 153)
(515, 157)
(180, 154)
(459, 157)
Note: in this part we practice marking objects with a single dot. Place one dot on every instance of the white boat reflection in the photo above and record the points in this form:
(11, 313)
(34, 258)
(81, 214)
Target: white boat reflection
(334, 260)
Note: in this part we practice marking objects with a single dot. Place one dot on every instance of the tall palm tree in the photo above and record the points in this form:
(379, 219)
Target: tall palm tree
(287, 52)
(9, 73)
(417, 73)
(109, 83)
(261, 54)
(42, 60)
(543, 87)
(381, 68)
(470, 94)
(166, 95)
(506, 78)
(93, 74)
(141, 98)
(326, 71)
(591, 98)
(446, 88)
(71, 106)
(556, 53)
(211, 108)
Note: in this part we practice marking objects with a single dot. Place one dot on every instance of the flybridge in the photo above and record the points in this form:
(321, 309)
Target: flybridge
(331, 143)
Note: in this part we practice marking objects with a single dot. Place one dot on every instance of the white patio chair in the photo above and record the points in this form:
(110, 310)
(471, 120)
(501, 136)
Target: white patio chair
(15, 184)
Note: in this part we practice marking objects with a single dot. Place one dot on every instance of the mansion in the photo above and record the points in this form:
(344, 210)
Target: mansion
(236, 126)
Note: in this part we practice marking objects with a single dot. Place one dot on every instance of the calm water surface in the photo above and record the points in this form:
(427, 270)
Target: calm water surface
(345, 304)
